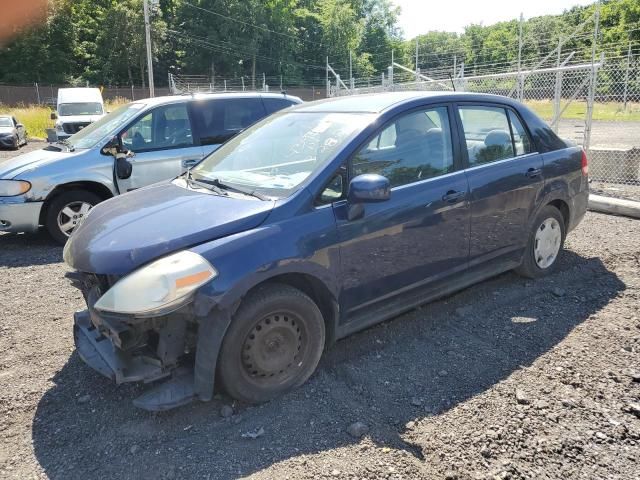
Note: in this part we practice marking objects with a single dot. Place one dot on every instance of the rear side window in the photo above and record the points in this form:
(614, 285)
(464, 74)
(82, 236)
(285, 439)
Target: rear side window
(275, 104)
(492, 134)
(520, 137)
(218, 120)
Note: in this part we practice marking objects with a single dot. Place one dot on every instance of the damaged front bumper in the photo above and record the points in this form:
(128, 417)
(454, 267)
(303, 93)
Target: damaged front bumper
(177, 351)
(97, 347)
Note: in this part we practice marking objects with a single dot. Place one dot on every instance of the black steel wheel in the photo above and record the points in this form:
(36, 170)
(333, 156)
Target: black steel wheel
(273, 344)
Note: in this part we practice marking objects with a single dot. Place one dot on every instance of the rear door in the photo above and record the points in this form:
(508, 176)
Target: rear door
(505, 178)
(163, 143)
(217, 120)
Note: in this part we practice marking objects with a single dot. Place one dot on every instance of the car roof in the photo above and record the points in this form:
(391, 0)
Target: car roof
(206, 96)
(379, 102)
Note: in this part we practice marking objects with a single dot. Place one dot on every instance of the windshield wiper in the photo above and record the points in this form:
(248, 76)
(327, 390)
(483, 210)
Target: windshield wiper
(244, 191)
(203, 184)
(67, 144)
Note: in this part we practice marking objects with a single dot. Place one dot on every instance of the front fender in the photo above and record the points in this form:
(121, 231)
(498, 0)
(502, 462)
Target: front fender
(304, 244)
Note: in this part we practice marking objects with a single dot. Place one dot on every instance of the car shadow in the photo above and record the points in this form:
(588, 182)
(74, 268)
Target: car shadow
(26, 249)
(413, 367)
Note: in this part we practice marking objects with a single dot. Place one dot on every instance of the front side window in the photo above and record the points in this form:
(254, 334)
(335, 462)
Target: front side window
(83, 108)
(218, 120)
(414, 147)
(162, 128)
(488, 134)
(279, 153)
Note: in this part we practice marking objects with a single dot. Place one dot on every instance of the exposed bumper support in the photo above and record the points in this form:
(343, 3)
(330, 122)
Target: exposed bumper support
(99, 352)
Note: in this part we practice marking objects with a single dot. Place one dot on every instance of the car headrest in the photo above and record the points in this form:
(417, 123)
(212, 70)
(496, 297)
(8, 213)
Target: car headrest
(498, 138)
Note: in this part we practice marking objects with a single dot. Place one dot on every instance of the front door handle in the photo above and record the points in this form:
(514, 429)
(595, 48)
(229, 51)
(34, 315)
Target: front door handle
(452, 196)
(533, 172)
(190, 163)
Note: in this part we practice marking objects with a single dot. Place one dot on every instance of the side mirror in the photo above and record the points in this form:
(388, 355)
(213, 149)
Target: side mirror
(369, 188)
(366, 188)
(123, 167)
(19, 125)
(54, 115)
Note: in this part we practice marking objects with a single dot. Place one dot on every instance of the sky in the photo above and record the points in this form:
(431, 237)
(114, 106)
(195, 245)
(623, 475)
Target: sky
(421, 16)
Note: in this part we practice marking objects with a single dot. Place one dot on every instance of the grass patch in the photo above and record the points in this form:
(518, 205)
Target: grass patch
(612, 111)
(37, 118)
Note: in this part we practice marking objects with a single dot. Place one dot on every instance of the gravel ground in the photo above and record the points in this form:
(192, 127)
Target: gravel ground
(511, 378)
(30, 147)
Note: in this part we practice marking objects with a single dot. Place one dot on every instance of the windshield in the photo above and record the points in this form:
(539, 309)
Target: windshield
(89, 136)
(86, 108)
(277, 154)
(5, 122)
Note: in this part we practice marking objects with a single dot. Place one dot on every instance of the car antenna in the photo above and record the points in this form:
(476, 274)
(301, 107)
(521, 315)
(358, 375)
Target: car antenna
(453, 84)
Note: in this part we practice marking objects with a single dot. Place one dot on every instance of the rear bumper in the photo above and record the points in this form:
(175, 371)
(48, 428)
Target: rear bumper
(19, 216)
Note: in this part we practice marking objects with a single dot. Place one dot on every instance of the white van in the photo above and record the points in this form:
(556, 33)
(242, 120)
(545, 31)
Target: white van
(77, 108)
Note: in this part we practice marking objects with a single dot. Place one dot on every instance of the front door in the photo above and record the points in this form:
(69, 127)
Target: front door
(163, 144)
(421, 234)
(505, 177)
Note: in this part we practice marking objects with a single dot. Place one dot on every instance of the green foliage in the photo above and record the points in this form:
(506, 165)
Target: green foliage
(102, 41)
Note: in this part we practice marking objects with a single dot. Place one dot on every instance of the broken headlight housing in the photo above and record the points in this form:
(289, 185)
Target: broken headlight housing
(159, 287)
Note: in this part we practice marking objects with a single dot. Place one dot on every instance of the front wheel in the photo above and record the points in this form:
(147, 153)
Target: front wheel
(545, 242)
(273, 344)
(66, 211)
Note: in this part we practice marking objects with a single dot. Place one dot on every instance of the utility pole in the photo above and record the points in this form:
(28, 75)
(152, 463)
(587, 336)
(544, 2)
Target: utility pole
(417, 71)
(350, 70)
(147, 35)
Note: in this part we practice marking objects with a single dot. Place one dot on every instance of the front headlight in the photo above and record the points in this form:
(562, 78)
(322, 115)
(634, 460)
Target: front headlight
(158, 287)
(11, 188)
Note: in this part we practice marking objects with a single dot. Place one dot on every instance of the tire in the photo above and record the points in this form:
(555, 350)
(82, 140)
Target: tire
(269, 319)
(76, 200)
(543, 249)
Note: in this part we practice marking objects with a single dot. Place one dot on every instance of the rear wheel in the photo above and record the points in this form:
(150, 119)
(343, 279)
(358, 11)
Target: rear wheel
(545, 242)
(273, 344)
(66, 211)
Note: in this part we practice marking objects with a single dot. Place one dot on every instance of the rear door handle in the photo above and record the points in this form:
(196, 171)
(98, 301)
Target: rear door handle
(533, 172)
(451, 196)
(190, 163)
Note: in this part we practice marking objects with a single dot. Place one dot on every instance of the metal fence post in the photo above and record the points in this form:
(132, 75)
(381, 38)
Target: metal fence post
(626, 77)
(558, 88)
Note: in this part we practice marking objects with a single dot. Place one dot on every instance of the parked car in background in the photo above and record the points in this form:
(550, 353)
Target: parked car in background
(314, 223)
(12, 133)
(163, 137)
(76, 108)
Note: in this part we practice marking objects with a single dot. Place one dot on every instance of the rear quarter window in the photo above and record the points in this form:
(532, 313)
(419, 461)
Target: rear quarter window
(275, 104)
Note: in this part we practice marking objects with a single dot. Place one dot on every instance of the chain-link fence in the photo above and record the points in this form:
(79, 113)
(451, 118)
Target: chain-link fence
(596, 106)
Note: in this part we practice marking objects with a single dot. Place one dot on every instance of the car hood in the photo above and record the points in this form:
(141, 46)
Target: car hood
(79, 118)
(132, 229)
(6, 130)
(29, 161)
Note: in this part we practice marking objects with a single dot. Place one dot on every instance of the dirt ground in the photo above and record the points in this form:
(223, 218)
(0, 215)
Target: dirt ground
(511, 378)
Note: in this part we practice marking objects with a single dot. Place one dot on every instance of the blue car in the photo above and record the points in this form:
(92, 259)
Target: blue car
(316, 222)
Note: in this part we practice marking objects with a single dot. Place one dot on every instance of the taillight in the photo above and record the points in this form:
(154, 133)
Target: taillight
(585, 164)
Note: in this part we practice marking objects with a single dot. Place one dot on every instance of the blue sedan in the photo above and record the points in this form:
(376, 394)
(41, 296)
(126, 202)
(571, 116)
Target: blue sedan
(314, 223)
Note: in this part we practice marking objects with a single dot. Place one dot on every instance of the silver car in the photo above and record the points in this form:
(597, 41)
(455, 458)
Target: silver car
(12, 132)
(162, 137)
